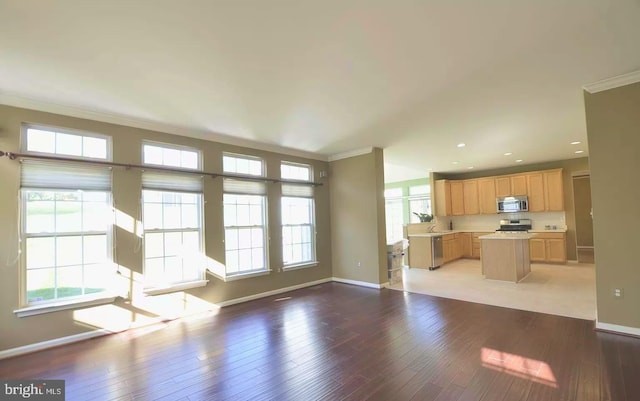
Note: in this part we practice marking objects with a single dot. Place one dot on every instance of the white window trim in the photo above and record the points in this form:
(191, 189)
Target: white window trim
(23, 251)
(240, 276)
(314, 253)
(172, 287)
(97, 299)
(175, 287)
(246, 157)
(294, 164)
(23, 139)
(265, 212)
(174, 147)
(302, 265)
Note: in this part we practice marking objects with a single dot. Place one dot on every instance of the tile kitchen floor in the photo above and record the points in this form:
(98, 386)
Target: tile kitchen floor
(564, 290)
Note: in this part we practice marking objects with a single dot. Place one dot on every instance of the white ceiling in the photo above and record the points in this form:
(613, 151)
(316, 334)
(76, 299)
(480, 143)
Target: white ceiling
(325, 77)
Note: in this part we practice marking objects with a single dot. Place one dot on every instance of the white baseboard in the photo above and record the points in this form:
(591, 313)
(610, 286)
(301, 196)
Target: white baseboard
(25, 349)
(356, 282)
(614, 328)
(273, 292)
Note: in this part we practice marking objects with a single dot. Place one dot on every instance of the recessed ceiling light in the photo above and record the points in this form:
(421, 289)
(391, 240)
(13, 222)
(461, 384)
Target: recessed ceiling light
(519, 161)
(455, 162)
(470, 167)
(462, 145)
(508, 154)
(579, 151)
(576, 143)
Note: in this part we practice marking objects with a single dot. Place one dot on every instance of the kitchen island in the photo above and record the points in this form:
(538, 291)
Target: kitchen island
(505, 256)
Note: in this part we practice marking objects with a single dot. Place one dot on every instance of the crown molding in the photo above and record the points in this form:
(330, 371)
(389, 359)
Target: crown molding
(351, 153)
(121, 119)
(613, 82)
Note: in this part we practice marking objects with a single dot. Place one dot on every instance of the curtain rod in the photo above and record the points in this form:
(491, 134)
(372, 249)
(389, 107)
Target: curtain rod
(13, 156)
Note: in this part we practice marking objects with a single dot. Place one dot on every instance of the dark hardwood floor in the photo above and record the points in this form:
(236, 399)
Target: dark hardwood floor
(341, 342)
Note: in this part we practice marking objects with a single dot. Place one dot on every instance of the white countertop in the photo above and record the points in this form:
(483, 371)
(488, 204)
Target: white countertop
(508, 236)
(479, 230)
(435, 234)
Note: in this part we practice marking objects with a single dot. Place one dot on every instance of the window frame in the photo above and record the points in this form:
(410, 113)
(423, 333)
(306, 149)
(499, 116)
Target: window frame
(265, 216)
(148, 288)
(23, 250)
(69, 131)
(421, 196)
(313, 261)
(174, 147)
(45, 306)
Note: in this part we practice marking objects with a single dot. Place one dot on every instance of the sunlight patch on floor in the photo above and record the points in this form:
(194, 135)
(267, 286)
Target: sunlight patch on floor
(519, 366)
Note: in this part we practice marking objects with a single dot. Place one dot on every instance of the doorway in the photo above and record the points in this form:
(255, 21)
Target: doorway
(584, 218)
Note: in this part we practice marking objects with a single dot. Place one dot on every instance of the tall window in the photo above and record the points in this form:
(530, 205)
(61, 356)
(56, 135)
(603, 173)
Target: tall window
(66, 217)
(394, 213)
(419, 201)
(245, 223)
(172, 217)
(298, 231)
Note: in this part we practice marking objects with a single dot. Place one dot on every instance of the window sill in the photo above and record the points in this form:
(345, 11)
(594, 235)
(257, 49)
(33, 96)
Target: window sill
(300, 266)
(241, 276)
(101, 299)
(175, 287)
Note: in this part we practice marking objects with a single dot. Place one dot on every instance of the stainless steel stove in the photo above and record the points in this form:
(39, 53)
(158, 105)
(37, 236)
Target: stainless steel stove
(515, 225)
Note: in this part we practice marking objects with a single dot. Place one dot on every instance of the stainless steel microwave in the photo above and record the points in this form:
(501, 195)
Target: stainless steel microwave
(512, 204)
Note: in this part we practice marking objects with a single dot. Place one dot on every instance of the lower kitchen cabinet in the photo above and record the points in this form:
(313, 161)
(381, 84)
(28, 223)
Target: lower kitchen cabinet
(548, 248)
(466, 244)
(451, 247)
(475, 244)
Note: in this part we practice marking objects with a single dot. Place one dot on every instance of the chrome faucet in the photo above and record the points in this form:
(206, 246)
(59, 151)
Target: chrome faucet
(432, 226)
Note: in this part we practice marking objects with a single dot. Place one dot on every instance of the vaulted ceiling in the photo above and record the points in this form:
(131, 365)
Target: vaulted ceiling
(324, 77)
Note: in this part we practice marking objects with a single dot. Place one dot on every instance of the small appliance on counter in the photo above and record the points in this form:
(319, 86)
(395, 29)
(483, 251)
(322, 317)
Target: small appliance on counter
(515, 225)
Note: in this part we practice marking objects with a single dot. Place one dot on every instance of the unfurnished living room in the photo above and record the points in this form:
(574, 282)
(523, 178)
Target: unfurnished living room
(319, 200)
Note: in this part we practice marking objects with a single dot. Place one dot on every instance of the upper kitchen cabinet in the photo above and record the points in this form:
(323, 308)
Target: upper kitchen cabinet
(535, 190)
(503, 186)
(518, 185)
(478, 195)
(487, 195)
(457, 198)
(449, 198)
(470, 197)
(443, 198)
(553, 190)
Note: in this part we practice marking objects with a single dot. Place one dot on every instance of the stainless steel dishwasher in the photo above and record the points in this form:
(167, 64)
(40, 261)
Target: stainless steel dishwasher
(436, 257)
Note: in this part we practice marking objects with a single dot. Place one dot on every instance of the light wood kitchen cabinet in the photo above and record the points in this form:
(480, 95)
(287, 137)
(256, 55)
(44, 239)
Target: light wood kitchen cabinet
(554, 191)
(447, 249)
(475, 244)
(537, 250)
(466, 244)
(451, 247)
(478, 196)
(556, 251)
(443, 198)
(457, 198)
(548, 248)
(487, 195)
(503, 186)
(535, 190)
(518, 185)
(470, 197)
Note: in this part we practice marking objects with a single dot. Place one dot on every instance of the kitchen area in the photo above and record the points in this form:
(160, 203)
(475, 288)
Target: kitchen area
(493, 238)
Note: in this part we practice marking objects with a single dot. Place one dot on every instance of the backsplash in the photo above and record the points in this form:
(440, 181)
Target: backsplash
(490, 222)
